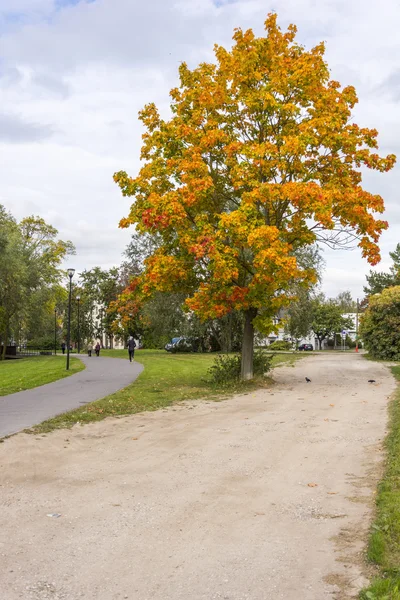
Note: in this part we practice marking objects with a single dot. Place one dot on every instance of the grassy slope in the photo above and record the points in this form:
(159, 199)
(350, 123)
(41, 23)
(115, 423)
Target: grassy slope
(384, 545)
(28, 373)
(166, 379)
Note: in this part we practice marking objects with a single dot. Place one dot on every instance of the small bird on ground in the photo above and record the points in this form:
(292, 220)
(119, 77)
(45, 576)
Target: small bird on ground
(371, 381)
(308, 380)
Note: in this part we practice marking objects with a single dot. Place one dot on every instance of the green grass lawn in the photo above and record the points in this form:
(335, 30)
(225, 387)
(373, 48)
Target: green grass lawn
(28, 373)
(384, 545)
(166, 379)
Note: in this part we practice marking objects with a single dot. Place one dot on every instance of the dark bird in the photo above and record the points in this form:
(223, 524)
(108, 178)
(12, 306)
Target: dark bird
(371, 381)
(308, 380)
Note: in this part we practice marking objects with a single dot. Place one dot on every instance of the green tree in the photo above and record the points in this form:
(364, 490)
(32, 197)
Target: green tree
(380, 324)
(346, 302)
(13, 276)
(98, 289)
(327, 318)
(378, 281)
(299, 316)
(30, 273)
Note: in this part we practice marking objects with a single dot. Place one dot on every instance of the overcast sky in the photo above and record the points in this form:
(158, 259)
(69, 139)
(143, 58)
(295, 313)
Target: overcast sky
(75, 73)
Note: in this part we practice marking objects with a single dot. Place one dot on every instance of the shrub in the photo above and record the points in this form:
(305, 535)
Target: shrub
(226, 368)
(380, 325)
(262, 362)
(280, 345)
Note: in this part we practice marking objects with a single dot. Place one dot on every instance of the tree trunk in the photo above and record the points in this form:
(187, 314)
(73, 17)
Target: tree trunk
(248, 345)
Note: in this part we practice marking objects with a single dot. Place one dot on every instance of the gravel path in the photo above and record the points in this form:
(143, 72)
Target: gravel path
(101, 377)
(264, 496)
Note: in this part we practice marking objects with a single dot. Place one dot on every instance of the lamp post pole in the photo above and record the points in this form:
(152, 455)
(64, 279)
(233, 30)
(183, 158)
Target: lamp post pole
(358, 305)
(78, 298)
(70, 275)
(55, 331)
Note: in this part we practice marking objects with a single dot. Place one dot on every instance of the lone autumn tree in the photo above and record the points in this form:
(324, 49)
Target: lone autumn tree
(259, 158)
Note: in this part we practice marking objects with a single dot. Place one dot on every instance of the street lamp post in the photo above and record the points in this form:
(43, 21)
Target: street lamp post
(358, 308)
(78, 298)
(70, 275)
(55, 330)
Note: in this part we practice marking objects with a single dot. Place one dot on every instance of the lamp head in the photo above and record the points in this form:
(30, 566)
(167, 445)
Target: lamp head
(71, 273)
(78, 298)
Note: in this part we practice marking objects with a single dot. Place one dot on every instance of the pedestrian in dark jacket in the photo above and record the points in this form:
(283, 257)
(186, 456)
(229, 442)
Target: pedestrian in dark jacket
(97, 349)
(63, 346)
(131, 348)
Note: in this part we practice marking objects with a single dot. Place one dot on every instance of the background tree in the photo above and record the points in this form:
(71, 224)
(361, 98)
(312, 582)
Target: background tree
(13, 275)
(380, 324)
(346, 302)
(327, 318)
(378, 281)
(98, 289)
(299, 314)
(299, 317)
(259, 159)
(30, 275)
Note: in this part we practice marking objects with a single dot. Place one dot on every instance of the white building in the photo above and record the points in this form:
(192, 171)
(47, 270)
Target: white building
(281, 335)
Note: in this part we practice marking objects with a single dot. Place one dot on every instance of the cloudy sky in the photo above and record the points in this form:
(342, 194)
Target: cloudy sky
(74, 74)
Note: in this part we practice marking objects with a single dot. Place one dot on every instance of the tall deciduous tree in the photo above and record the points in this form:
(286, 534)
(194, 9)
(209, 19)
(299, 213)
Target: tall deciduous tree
(30, 273)
(259, 158)
(299, 317)
(13, 275)
(99, 288)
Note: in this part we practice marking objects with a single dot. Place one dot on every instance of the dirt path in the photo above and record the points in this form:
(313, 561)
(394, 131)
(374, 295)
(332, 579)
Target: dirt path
(204, 501)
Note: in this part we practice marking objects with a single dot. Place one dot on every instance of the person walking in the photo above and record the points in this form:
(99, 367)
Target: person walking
(131, 348)
(63, 346)
(97, 349)
(89, 348)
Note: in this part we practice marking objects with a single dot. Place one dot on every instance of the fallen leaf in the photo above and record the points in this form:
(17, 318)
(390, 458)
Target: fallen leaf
(326, 419)
(332, 493)
(312, 484)
(331, 405)
(135, 438)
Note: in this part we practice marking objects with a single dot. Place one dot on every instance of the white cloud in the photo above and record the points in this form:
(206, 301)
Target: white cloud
(73, 78)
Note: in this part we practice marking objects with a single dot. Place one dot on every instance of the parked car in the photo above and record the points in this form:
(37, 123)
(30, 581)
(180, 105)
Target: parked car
(305, 347)
(182, 344)
(168, 347)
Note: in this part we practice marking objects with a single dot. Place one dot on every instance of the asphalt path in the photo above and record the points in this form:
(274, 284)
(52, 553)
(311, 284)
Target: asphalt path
(102, 376)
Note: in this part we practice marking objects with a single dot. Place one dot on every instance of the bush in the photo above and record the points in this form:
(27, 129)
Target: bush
(226, 368)
(262, 362)
(380, 325)
(280, 345)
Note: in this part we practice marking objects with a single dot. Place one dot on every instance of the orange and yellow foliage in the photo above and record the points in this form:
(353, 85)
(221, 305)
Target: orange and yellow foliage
(260, 157)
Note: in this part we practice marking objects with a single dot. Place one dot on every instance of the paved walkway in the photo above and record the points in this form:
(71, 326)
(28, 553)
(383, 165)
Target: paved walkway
(101, 377)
